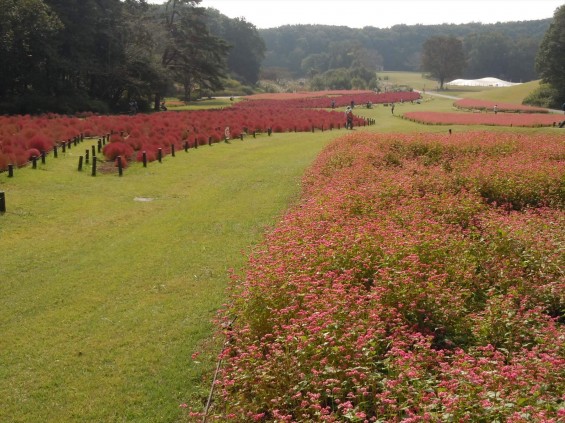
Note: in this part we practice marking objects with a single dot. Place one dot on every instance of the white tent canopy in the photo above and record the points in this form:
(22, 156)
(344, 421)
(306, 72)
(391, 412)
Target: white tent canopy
(483, 82)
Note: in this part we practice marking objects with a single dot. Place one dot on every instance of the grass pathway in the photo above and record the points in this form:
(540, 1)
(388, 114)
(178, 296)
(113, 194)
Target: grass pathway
(104, 298)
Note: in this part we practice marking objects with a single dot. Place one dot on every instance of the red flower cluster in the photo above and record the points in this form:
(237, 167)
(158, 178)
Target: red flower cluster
(499, 119)
(319, 101)
(420, 279)
(21, 137)
(485, 105)
(24, 136)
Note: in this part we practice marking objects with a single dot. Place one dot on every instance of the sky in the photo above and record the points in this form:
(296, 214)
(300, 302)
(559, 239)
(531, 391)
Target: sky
(381, 13)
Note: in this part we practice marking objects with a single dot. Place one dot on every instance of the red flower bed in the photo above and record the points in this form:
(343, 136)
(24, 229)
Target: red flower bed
(468, 103)
(324, 99)
(305, 94)
(420, 278)
(499, 119)
(161, 130)
(18, 134)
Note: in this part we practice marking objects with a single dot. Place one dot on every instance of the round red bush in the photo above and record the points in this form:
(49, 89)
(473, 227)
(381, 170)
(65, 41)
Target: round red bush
(114, 149)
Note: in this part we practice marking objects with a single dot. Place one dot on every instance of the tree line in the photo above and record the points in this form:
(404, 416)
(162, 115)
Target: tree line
(100, 55)
(503, 50)
(443, 57)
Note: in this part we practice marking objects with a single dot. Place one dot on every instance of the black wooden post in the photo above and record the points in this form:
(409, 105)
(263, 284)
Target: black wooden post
(55, 151)
(2, 202)
(144, 158)
(99, 145)
(195, 142)
(34, 162)
(94, 166)
(93, 151)
(120, 168)
(173, 150)
(160, 155)
(64, 146)
(86, 156)
(186, 146)
(80, 164)
(43, 157)
(10, 170)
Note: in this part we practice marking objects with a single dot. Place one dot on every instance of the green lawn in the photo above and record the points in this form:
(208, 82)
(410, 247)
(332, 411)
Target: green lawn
(104, 298)
(109, 284)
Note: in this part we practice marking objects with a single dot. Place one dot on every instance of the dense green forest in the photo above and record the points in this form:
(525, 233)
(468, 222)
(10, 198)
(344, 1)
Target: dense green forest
(105, 55)
(102, 55)
(503, 50)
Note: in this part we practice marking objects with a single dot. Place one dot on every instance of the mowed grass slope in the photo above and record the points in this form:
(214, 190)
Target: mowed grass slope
(104, 298)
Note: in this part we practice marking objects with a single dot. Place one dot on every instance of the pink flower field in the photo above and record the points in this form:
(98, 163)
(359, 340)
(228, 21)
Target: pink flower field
(485, 105)
(492, 119)
(419, 279)
(323, 99)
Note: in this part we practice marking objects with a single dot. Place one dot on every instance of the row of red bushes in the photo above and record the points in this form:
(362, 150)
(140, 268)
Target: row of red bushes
(22, 137)
(499, 119)
(485, 105)
(320, 102)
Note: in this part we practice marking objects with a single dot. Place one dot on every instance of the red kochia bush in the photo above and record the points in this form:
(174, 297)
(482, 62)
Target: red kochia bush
(40, 142)
(150, 155)
(114, 149)
(32, 152)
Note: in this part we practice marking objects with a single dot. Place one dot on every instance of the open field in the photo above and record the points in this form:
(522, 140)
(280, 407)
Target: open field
(109, 285)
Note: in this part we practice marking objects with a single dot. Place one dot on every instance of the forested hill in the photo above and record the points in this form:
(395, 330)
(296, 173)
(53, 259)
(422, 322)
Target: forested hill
(503, 50)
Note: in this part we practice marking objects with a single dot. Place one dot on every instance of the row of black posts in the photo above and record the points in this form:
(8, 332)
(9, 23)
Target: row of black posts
(64, 145)
(102, 141)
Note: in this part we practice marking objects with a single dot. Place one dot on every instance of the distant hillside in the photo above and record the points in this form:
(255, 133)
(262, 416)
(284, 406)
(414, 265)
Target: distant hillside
(503, 50)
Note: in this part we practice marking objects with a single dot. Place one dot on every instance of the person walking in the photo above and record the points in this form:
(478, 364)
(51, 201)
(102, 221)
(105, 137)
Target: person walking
(348, 118)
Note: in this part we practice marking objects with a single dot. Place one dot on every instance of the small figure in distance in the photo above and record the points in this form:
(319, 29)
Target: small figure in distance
(392, 108)
(495, 109)
(349, 118)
